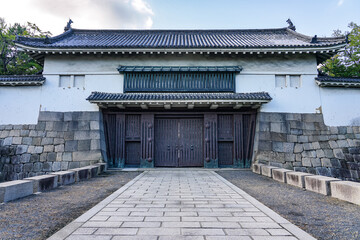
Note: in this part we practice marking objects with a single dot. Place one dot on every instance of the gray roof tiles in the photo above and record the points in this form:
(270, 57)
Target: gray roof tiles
(192, 39)
(21, 80)
(101, 96)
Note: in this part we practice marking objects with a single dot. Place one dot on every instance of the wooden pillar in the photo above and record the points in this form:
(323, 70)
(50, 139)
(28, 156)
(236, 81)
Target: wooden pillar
(114, 127)
(244, 132)
(210, 141)
(147, 140)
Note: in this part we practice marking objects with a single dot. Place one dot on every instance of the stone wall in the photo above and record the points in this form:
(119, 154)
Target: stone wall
(59, 141)
(302, 142)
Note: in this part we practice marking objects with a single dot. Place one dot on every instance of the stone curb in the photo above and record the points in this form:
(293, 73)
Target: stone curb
(71, 227)
(17, 189)
(327, 186)
(293, 229)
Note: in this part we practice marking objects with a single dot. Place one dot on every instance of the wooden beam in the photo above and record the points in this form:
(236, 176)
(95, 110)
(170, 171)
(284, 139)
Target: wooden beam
(190, 106)
(214, 106)
(120, 106)
(167, 106)
(238, 106)
(144, 106)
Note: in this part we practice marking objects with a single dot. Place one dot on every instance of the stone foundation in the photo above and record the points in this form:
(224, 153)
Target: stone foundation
(302, 142)
(59, 141)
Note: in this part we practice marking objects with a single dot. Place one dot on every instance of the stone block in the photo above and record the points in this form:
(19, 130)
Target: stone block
(51, 157)
(37, 167)
(81, 116)
(94, 170)
(44, 182)
(84, 145)
(58, 141)
(279, 174)
(47, 141)
(333, 144)
(51, 116)
(47, 166)
(338, 153)
(95, 144)
(25, 158)
(279, 127)
(86, 155)
(102, 167)
(15, 189)
(21, 149)
(296, 179)
(60, 148)
(303, 139)
(315, 162)
(82, 173)
(56, 166)
(17, 140)
(257, 168)
(292, 138)
(298, 148)
(325, 162)
(267, 170)
(65, 177)
(323, 171)
(346, 190)
(71, 146)
(48, 148)
(86, 135)
(319, 184)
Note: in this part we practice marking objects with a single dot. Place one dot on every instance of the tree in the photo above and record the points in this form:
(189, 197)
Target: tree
(346, 63)
(13, 61)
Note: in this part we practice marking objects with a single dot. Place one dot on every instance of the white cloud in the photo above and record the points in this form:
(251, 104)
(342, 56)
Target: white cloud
(340, 2)
(52, 15)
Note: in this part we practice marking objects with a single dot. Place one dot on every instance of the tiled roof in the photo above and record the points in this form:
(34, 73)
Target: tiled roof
(173, 39)
(21, 80)
(327, 81)
(115, 97)
(179, 69)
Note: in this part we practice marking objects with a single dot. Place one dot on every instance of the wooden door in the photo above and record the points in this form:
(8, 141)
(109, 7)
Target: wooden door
(132, 140)
(166, 142)
(190, 142)
(178, 142)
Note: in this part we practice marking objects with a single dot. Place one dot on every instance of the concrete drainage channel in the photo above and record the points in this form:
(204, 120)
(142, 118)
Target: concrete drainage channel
(21, 188)
(343, 190)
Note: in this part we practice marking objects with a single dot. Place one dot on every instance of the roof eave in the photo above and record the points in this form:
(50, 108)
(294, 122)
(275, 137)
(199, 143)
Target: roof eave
(21, 83)
(262, 50)
(337, 84)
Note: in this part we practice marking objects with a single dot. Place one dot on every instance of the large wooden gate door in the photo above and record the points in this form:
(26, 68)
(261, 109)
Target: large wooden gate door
(179, 142)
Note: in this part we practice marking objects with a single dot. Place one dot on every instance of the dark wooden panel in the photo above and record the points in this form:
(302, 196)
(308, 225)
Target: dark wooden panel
(210, 132)
(132, 156)
(225, 153)
(225, 139)
(191, 142)
(147, 137)
(244, 129)
(114, 126)
(179, 81)
(132, 131)
(225, 127)
(166, 142)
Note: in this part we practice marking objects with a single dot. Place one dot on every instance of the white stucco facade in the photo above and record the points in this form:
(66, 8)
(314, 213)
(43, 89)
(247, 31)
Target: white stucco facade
(258, 75)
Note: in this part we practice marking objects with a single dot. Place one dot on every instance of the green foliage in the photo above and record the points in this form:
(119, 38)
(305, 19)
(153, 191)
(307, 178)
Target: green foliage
(346, 63)
(13, 61)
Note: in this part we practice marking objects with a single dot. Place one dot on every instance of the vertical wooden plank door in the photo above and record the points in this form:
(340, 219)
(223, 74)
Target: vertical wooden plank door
(132, 140)
(225, 139)
(178, 142)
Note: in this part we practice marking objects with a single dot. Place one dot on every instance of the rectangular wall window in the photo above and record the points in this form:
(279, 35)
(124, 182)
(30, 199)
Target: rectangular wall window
(72, 81)
(280, 81)
(64, 81)
(285, 81)
(79, 81)
(295, 81)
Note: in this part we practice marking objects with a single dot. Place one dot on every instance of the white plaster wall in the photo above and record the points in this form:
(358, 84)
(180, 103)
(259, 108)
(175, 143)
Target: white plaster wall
(19, 105)
(101, 75)
(340, 106)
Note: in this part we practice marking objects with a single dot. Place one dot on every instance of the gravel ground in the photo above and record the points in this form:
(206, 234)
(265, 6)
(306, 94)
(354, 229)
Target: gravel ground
(40, 216)
(321, 216)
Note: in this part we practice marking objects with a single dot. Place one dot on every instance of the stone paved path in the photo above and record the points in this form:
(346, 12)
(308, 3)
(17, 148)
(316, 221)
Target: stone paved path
(180, 204)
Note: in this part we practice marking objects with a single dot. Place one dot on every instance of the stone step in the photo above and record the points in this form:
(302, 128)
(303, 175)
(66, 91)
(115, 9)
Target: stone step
(267, 170)
(257, 168)
(279, 174)
(297, 179)
(43, 182)
(319, 184)
(346, 190)
(65, 177)
(15, 189)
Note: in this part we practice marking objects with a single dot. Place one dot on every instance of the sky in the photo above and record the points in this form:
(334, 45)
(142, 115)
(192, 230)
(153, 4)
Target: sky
(310, 17)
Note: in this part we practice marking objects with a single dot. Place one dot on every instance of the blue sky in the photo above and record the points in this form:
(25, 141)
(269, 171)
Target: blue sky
(310, 17)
